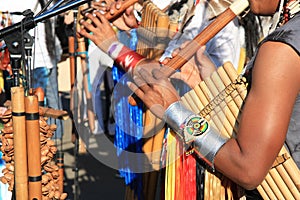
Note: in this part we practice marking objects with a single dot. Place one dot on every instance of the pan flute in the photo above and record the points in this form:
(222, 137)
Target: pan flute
(155, 31)
(219, 99)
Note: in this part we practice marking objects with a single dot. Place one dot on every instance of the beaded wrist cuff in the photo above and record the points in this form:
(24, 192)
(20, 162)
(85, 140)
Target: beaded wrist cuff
(208, 144)
(206, 141)
(175, 116)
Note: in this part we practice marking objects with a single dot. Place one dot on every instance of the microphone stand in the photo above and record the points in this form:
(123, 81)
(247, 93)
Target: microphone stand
(75, 112)
(29, 24)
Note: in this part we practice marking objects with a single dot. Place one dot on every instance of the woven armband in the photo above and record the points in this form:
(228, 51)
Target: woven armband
(124, 56)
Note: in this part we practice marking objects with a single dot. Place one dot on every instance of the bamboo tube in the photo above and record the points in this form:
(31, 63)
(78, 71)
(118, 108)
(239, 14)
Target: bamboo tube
(231, 72)
(162, 34)
(82, 53)
(288, 181)
(267, 189)
(39, 92)
(206, 185)
(228, 104)
(195, 99)
(20, 150)
(190, 102)
(201, 102)
(291, 168)
(228, 118)
(71, 40)
(226, 80)
(274, 187)
(224, 129)
(33, 147)
(262, 193)
(280, 184)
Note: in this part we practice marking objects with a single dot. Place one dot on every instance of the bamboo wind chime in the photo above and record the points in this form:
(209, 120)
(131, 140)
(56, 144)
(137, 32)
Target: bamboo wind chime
(28, 150)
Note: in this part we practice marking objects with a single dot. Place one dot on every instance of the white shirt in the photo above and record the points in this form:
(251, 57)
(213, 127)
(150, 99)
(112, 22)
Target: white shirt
(162, 4)
(225, 46)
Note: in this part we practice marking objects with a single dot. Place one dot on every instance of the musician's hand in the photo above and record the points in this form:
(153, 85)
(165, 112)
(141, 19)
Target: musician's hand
(155, 90)
(204, 63)
(102, 35)
(102, 6)
(149, 66)
(189, 72)
(128, 20)
(196, 69)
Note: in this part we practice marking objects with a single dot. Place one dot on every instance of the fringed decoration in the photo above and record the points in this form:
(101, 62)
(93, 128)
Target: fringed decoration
(129, 132)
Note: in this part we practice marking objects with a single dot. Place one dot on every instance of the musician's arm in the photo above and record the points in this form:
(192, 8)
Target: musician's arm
(265, 116)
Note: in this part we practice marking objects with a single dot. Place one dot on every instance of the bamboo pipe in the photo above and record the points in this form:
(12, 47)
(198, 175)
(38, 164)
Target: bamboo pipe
(225, 115)
(71, 40)
(226, 80)
(291, 168)
(232, 108)
(82, 53)
(20, 149)
(39, 92)
(33, 147)
(288, 181)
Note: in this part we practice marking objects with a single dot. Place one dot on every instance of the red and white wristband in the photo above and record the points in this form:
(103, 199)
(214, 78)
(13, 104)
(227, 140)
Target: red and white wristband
(195, 131)
(124, 56)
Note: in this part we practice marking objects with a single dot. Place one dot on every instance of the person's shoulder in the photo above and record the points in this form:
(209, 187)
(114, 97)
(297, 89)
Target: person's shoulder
(288, 34)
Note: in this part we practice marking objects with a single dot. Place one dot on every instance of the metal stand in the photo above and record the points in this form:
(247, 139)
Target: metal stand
(75, 114)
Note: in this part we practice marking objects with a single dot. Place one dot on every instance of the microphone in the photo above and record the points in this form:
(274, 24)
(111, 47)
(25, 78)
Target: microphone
(31, 23)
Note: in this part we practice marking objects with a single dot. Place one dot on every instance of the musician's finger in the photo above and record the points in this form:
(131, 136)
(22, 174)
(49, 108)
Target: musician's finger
(165, 61)
(85, 28)
(102, 19)
(141, 83)
(146, 76)
(163, 72)
(183, 45)
(118, 5)
(175, 52)
(136, 90)
(200, 53)
(93, 18)
(132, 101)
